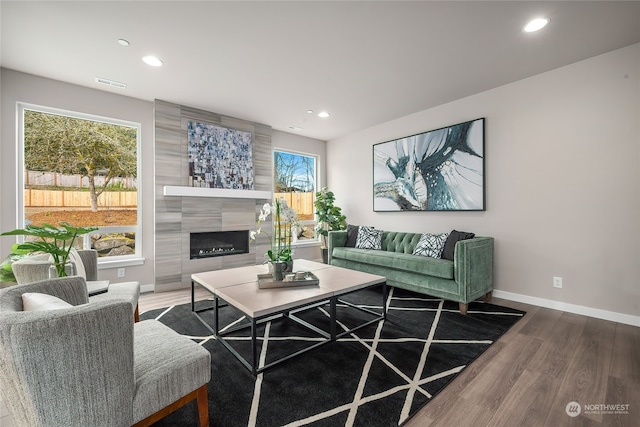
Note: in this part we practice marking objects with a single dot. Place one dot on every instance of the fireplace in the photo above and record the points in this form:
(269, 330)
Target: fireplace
(218, 243)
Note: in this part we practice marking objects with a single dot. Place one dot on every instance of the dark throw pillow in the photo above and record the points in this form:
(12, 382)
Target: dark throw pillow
(352, 236)
(450, 244)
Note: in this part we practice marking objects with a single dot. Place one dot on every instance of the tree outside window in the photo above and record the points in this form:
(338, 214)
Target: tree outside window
(295, 180)
(83, 171)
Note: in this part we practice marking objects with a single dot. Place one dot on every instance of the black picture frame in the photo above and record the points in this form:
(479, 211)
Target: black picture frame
(437, 170)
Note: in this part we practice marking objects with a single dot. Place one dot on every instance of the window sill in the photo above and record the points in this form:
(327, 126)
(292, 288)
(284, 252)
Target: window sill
(306, 244)
(105, 264)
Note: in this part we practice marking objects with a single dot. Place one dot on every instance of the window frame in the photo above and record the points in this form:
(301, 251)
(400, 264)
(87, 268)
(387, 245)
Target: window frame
(103, 262)
(316, 240)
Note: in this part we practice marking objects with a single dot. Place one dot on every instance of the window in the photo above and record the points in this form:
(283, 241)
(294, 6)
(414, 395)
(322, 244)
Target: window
(83, 170)
(294, 179)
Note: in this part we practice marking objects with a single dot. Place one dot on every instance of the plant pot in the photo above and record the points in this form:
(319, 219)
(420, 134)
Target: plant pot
(325, 255)
(279, 268)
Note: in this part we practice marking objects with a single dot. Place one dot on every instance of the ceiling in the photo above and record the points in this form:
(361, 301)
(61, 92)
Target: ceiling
(365, 62)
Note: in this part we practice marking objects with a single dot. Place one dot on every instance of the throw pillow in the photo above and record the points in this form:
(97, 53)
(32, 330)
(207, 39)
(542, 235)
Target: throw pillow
(75, 258)
(33, 301)
(369, 238)
(450, 244)
(352, 236)
(431, 244)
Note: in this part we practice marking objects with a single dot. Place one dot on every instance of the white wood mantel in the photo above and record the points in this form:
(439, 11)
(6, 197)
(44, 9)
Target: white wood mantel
(183, 191)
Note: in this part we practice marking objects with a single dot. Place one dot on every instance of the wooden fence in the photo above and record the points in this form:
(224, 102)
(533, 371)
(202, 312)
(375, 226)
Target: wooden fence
(78, 199)
(302, 203)
(53, 179)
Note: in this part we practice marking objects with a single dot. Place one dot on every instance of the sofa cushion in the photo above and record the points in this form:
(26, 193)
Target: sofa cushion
(431, 245)
(400, 242)
(450, 244)
(369, 238)
(398, 261)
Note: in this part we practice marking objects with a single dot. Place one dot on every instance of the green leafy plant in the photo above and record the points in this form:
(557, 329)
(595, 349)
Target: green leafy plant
(330, 217)
(52, 240)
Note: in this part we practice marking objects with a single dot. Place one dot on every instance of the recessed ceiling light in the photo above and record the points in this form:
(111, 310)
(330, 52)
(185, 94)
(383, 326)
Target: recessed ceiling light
(309, 111)
(297, 128)
(323, 114)
(152, 60)
(124, 42)
(535, 25)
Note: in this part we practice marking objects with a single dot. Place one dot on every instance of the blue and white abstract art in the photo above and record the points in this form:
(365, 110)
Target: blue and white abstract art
(439, 170)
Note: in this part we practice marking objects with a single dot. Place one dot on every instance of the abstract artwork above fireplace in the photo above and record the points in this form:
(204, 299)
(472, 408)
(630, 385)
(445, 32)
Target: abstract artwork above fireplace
(219, 157)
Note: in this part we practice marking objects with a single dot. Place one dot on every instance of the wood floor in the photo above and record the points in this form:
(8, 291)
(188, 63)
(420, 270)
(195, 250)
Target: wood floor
(528, 377)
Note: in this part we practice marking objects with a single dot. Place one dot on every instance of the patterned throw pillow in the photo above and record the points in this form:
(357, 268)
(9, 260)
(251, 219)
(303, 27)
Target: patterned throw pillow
(369, 238)
(431, 245)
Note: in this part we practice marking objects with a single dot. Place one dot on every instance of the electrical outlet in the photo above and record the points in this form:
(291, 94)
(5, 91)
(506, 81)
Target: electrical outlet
(557, 282)
(121, 272)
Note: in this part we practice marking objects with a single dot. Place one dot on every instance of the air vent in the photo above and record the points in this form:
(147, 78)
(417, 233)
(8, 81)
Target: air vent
(110, 83)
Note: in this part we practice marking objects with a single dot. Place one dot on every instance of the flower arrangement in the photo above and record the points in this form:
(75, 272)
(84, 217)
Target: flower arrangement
(285, 222)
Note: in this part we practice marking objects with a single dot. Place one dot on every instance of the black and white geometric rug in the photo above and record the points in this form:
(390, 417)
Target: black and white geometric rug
(378, 376)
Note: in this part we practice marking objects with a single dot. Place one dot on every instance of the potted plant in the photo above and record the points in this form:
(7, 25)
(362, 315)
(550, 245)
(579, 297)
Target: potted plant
(52, 240)
(329, 217)
(285, 221)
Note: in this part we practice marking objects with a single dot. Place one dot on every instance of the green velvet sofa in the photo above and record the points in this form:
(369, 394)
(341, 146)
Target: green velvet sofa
(468, 277)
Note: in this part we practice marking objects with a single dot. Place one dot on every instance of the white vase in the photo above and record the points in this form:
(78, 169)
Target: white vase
(69, 269)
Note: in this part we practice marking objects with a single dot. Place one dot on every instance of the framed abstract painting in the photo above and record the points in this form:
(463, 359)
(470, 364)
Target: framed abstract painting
(219, 157)
(438, 170)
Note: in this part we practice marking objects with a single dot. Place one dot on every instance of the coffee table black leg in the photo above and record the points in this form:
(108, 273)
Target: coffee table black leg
(215, 315)
(385, 295)
(332, 317)
(254, 347)
(193, 296)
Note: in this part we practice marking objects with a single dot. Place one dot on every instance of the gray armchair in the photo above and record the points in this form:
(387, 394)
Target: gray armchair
(90, 365)
(35, 268)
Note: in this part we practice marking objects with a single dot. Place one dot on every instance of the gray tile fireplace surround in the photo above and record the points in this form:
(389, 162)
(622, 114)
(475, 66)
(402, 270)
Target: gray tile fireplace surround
(177, 216)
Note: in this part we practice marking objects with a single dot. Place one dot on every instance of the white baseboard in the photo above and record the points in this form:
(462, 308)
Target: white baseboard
(570, 308)
(150, 288)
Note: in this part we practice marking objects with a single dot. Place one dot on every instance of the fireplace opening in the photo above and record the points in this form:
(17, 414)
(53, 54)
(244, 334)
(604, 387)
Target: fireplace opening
(218, 243)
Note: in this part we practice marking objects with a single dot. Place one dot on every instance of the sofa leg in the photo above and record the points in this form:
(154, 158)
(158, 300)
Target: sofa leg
(136, 315)
(463, 308)
(488, 296)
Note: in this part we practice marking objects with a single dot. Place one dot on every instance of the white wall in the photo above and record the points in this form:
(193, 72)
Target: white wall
(562, 181)
(299, 144)
(20, 87)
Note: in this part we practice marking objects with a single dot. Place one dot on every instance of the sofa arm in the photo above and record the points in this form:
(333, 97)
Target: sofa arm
(335, 239)
(473, 267)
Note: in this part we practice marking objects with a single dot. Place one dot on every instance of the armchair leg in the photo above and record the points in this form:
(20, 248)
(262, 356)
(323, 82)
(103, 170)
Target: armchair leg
(136, 315)
(200, 395)
(203, 406)
(488, 296)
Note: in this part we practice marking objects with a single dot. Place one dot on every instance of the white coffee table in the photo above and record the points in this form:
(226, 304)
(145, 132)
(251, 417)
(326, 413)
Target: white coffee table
(239, 288)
